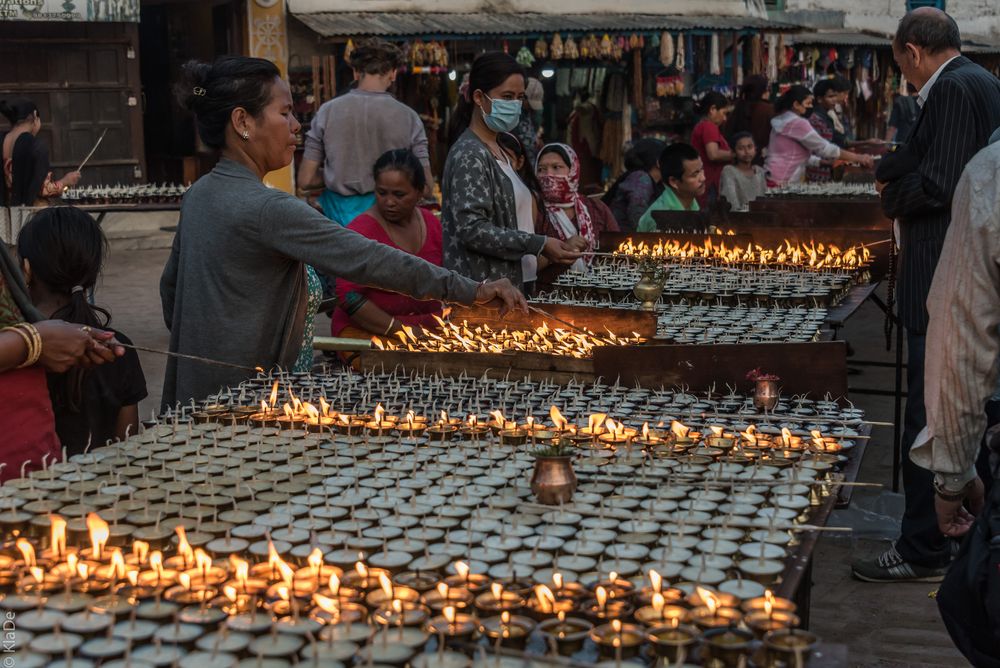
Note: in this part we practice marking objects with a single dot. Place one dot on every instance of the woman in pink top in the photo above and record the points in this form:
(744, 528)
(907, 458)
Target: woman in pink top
(796, 145)
(394, 220)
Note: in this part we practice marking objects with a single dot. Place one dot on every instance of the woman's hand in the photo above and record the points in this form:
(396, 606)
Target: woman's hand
(559, 251)
(577, 242)
(862, 159)
(501, 295)
(70, 179)
(65, 345)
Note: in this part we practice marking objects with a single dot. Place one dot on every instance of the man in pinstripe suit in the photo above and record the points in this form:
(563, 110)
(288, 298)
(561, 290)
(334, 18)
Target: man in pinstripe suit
(960, 109)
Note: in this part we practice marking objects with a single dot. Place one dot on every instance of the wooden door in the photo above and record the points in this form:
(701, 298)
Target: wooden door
(84, 79)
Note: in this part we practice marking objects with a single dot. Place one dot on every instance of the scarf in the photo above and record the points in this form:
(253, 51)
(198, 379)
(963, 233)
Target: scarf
(561, 193)
(18, 308)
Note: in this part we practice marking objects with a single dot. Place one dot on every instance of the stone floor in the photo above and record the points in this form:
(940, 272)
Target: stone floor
(883, 625)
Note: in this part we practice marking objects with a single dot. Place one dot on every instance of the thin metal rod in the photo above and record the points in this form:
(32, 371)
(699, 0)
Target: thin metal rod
(193, 358)
(560, 320)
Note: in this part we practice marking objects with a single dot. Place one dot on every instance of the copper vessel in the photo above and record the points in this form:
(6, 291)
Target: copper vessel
(766, 394)
(553, 481)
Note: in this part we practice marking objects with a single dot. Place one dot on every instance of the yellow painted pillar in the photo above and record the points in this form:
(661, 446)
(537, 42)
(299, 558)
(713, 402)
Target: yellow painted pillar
(267, 38)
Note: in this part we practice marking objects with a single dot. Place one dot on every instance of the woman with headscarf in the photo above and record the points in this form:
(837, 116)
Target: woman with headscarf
(576, 219)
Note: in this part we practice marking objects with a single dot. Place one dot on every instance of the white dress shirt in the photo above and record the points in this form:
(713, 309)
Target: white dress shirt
(926, 90)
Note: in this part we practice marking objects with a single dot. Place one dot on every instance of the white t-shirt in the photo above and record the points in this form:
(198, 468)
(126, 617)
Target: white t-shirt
(524, 206)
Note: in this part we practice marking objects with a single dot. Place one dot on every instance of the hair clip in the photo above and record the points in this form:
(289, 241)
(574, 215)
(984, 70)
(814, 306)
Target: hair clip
(199, 91)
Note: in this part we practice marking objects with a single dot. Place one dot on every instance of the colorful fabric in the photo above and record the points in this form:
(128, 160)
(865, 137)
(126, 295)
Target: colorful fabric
(409, 311)
(28, 423)
(342, 209)
(314, 292)
(561, 193)
(823, 125)
(634, 195)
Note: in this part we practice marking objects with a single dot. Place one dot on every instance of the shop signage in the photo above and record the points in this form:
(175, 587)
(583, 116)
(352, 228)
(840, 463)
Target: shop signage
(69, 10)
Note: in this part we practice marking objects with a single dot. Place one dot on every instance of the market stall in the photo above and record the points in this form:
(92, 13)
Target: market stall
(607, 78)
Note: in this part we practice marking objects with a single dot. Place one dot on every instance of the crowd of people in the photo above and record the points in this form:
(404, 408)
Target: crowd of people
(252, 260)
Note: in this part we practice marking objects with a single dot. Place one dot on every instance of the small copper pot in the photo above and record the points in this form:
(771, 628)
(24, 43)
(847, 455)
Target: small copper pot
(553, 481)
(766, 395)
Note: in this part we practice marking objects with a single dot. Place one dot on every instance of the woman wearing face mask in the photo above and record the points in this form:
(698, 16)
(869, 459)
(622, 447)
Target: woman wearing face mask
(481, 189)
(576, 219)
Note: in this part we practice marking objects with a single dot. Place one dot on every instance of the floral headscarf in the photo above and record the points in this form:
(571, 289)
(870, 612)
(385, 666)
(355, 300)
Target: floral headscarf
(561, 193)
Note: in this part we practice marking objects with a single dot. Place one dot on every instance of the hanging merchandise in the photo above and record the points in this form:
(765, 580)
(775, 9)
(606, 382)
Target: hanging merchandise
(557, 49)
(634, 41)
(572, 51)
(654, 41)
(666, 50)
(585, 49)
(618, 47)
(756, 54)
(876, 74)
(669, 85)
(772, 57)
(679, 60)
(524, 57)
(715, 65)
(606, 47)
(541, 49)
(738, 65)
(348, 51)
(506, 47)
(902, 85)
(417, 55)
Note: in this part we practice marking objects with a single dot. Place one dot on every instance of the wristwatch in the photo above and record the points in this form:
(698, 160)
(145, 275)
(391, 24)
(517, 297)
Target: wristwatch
(945, 494)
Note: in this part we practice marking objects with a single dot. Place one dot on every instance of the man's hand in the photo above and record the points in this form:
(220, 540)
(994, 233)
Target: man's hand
(577, 242)
(501, 295)
(953, 518)
(880, 186)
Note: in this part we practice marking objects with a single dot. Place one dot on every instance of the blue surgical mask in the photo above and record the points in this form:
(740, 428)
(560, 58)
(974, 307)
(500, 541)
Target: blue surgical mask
(504, 114)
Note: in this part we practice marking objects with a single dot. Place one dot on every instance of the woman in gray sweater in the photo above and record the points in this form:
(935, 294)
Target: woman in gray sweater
(482, 196)
(234, 287)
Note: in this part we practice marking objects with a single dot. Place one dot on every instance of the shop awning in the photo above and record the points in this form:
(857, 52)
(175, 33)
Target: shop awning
(838, 38)
(433, 25)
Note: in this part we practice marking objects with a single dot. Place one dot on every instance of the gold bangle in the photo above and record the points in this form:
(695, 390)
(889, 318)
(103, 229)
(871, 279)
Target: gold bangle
(36, 341)
(29, 345)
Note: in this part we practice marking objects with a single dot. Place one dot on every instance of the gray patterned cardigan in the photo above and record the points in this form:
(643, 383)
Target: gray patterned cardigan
(479, 218)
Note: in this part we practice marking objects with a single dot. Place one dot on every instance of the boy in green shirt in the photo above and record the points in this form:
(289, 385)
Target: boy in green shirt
(684, 180)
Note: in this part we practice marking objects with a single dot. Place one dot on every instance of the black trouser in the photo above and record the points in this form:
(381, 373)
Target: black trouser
(920, 541)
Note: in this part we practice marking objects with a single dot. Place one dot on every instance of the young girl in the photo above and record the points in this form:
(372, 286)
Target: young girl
(62, 252)
(743, 182)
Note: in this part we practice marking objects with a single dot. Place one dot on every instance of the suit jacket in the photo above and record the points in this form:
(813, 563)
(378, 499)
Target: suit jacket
(961, 112)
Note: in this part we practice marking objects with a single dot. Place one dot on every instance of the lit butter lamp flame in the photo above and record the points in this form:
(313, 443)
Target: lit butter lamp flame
(557, 418)
(546, 599)
(99, 535)
(709, 599)
(810, 256)
(57, 536)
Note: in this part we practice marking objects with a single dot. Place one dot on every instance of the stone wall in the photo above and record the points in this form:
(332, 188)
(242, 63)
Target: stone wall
(977, 19)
